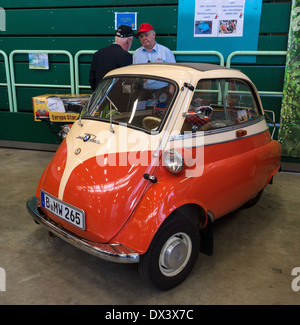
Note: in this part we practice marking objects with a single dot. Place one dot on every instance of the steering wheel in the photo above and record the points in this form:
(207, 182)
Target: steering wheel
(151, 122)
(204, 111)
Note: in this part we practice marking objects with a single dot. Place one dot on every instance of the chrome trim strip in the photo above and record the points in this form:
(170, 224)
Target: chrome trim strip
(223, 130)
(109, 252)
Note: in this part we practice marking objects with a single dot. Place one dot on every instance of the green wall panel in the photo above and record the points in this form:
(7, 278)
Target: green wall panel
(22, 127)
(84, 21)
(275, 17)
(4, 106)
(2, 73)
(272, 104)
(272, 43)
(58, 74)
(78, 3)
(73, 44)
(264, 76)
(25, 94)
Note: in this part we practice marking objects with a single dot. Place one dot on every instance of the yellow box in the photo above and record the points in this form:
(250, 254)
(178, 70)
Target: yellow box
(58, 108)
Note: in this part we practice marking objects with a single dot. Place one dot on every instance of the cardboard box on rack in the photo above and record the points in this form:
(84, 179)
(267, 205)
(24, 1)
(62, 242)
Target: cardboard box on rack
(58, 108)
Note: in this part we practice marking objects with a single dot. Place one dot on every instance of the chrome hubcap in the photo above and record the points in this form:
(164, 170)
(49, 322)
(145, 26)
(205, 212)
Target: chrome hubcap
(175, 254)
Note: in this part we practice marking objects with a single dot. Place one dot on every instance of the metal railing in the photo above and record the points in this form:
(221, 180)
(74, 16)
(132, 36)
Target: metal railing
(263, 93)
(8, 81)
(202, 53)
(255, 53)
(76, 64)
(185, 53)
(74, 69)
(12, 72)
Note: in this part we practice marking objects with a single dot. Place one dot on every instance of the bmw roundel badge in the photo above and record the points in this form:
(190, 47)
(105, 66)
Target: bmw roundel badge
(87, 138)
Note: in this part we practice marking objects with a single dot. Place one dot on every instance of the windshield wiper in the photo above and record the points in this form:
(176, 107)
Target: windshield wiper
(86, 106)
(110, 113)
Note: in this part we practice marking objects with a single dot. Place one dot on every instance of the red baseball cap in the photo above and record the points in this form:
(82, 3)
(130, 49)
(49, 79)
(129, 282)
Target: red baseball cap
(145, 27)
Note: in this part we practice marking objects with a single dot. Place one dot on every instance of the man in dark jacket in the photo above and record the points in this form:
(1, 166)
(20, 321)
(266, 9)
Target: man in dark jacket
(114, 56)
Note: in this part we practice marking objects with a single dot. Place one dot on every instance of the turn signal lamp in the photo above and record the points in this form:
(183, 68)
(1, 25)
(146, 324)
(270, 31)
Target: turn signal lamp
(64, 131)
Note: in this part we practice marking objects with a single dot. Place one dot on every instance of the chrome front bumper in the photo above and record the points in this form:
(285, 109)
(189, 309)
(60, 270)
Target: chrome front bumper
(109, 252)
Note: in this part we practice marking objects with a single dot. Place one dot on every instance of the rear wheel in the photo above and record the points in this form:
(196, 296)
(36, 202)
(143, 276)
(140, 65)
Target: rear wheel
(172, 253)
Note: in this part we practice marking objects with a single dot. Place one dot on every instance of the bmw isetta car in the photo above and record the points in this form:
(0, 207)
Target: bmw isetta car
(159, 152)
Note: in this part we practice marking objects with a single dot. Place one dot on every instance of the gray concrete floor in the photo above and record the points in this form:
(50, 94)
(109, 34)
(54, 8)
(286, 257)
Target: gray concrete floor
(255, 251)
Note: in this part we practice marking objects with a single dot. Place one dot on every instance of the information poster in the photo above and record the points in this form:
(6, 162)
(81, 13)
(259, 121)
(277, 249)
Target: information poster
(289, 131)
(215, 18)
(218, 25)
(126, 18)
(38, 61)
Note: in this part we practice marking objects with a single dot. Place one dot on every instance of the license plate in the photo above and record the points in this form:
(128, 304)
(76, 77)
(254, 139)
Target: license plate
(63, 210)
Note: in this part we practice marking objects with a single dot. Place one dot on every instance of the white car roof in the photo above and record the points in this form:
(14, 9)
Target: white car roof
(180, 72)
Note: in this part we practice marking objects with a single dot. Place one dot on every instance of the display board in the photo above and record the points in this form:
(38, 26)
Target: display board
(214, 25)
(58, 108)
(289, 132)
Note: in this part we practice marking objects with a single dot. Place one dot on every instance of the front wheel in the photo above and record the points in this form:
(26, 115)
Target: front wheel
(172, 253)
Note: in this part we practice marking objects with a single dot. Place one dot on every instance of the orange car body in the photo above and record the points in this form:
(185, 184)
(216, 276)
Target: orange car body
(116, 174)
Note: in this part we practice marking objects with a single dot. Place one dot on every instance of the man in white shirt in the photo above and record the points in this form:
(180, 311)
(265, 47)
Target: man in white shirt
(151, 51)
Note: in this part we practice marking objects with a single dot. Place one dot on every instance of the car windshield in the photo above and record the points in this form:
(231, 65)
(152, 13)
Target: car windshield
(136, 101)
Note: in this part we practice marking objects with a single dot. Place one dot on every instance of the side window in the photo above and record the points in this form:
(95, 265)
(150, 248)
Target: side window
(219, 103)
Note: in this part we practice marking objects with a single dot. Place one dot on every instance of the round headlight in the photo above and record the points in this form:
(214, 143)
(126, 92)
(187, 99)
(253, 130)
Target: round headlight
(173, 161)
